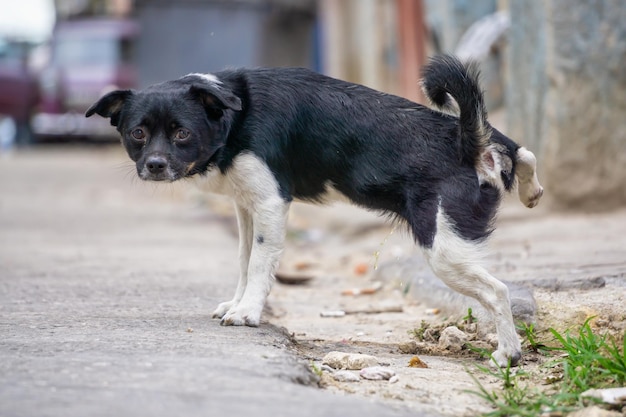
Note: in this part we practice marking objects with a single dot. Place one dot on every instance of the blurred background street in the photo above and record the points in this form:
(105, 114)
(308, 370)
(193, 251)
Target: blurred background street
(107, 283)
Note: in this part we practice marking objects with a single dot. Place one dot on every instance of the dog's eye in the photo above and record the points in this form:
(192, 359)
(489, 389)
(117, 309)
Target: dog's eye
(138, 134)
(182, 134)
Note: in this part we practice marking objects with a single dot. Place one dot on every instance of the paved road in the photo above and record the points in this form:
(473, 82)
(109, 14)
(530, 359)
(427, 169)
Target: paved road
(106, 286)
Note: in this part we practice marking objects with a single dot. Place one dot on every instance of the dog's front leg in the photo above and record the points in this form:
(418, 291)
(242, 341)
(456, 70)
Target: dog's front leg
(246, 233)
(268, 235)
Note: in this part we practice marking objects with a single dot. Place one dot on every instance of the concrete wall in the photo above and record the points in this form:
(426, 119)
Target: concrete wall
(448, 21)
(183, 36)
(566, 97)
(451, 18)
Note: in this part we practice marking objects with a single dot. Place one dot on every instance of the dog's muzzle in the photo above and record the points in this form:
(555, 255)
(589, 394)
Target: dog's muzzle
(156, 168)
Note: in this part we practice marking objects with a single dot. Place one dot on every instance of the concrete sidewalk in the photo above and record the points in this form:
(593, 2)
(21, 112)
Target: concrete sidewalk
(106, 289)
(107, 284)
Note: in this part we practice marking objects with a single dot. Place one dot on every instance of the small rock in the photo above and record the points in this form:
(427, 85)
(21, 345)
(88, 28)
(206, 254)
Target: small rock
(377, 373)
(452, 339)
(408, 348)
(416, 362)
(470, 328)
(492, 339)
(594, 411)
(333, 313)
(608, 395)
(355, 361)
(326, 368)
(394, 379)
(346, 376)
(557, 284)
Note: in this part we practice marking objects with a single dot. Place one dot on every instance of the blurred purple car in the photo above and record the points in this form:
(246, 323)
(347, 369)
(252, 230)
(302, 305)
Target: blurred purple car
(88, 58)
(19, 90)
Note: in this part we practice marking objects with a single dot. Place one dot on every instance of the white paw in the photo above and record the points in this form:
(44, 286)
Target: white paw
(243, 315)
(529, 188)
(223, 308)
(530, 193)
(501, 358)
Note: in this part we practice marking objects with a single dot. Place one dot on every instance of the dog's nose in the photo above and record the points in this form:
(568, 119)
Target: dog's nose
(156, 164)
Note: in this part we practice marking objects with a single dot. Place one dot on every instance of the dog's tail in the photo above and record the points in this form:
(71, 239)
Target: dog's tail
(445, 77)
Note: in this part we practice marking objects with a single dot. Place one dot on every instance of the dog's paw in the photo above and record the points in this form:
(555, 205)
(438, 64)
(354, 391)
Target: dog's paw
(502, 358)
(222, 309)
(528, 187)
(242, 316)
(530, 193)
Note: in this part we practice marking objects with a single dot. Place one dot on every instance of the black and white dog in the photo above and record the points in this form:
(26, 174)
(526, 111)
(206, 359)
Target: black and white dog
(266, 137)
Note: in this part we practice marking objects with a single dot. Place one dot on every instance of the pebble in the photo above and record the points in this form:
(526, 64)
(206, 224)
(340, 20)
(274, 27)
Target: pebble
(416, 362)
(608, 395)
(327, 368)
(377, 373)
(409, 348)
(355, 361)
(333, 313)
(595, 411)
(452, 339)
(346, 376)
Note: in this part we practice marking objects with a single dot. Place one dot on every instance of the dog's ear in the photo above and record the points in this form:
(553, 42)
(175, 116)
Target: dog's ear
(215, 97)
(110, 105)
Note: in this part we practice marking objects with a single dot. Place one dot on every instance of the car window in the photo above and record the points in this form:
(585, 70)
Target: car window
(86, 51)
(127, 51)
(11, 55)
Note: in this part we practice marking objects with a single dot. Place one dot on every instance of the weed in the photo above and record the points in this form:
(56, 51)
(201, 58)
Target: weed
(418, 333)
(482, 352)
(588, 360)
(615, 363)
(530, 338)
(470, 318)
(515, 398)
(316, 369)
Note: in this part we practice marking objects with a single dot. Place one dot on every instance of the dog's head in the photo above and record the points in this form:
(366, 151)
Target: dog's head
(171, 130)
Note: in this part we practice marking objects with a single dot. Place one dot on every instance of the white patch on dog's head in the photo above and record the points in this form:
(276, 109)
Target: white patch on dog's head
(208, 77)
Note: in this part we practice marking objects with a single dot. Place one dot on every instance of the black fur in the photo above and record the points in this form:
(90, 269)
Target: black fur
(383, 152)
(461, 83)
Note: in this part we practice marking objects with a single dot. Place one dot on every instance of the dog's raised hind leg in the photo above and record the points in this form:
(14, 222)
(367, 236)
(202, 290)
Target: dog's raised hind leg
(456, 262)
(528, 186)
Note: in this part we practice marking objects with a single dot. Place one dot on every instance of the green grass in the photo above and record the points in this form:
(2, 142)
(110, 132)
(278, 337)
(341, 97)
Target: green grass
(316, 369)
(418, 333)
(469, 318)
(531, 339)
(578, 362)
(589, 360)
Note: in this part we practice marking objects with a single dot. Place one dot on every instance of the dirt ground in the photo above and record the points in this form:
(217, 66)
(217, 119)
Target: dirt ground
(575, 265)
